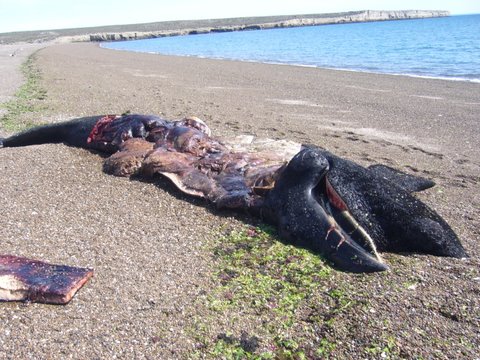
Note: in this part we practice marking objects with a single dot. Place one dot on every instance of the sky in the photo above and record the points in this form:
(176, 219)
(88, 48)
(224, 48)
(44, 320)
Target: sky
(23, 15)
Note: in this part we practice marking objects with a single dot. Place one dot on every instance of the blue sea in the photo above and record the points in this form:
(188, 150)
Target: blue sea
(447, 48)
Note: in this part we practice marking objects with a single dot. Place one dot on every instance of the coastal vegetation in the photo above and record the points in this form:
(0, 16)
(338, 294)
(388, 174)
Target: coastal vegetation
(28, 99)
(276, 301)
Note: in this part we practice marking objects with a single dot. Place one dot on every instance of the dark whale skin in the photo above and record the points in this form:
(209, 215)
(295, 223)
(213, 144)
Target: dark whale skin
(382, 202)
(300, 218)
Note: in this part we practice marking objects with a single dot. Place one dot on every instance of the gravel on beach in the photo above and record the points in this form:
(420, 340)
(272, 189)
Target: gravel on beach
(150, 246)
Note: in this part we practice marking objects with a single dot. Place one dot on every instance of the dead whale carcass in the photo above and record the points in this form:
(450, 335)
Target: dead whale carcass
(340, 209)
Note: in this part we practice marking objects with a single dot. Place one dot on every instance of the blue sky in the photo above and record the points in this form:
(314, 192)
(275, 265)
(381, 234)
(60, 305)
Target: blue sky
(21, 15)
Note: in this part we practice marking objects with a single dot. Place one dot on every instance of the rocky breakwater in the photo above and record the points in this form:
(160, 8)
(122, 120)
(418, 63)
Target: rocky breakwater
(306, 20)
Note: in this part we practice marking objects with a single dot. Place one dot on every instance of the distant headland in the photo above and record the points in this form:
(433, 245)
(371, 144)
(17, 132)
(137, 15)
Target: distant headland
(189, 27)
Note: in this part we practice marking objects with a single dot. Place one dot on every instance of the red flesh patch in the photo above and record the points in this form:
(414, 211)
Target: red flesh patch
(334, 198)
(37, 281)
(97, 130)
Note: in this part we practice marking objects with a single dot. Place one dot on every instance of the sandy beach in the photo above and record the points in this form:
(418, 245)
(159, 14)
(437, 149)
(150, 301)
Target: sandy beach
(151, 247)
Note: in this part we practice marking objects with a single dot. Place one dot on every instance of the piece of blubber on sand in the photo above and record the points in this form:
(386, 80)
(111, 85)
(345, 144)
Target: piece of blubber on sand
(23, 279)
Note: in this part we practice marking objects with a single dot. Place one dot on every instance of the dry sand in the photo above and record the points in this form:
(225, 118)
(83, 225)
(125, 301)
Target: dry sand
(149, 246)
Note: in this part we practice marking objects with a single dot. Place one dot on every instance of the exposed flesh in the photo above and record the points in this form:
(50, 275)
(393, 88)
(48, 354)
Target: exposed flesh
(23, 279)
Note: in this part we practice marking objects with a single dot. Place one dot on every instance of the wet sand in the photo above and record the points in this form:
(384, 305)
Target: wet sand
(149, 245)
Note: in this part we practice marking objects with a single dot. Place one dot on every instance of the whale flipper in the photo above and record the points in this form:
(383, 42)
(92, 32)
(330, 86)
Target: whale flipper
(410, 183)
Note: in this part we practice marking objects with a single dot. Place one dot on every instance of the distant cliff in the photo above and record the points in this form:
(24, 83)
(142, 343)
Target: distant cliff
(186, 27)
(306, 20)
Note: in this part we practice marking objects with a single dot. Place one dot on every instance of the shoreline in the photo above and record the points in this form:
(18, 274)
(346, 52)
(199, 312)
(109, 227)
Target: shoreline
(430, 77)
(158, 290)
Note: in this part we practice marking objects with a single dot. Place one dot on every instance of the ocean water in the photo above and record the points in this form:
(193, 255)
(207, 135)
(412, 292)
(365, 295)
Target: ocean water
(447, 48)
